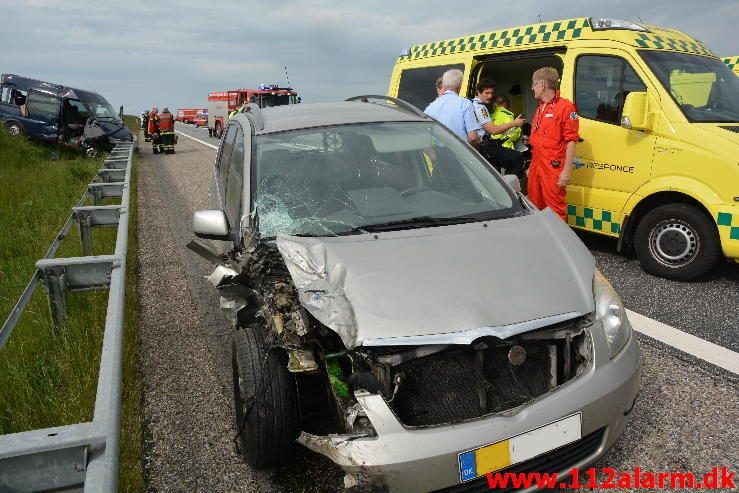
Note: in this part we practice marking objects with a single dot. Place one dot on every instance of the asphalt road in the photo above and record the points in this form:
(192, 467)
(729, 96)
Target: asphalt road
(686, 418)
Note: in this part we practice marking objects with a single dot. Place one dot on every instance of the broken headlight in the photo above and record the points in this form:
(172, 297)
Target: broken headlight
(611, 312)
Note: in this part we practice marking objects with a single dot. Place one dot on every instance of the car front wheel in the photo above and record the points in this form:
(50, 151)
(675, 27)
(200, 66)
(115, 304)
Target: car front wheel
(265, 399)
(677, 241)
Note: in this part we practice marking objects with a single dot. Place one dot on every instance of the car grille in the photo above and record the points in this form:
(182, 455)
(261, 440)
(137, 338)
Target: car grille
(559, 460)
(734, 129)
(466, 383)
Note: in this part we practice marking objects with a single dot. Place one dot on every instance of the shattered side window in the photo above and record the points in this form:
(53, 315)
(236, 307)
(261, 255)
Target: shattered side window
(339, 180)
(234, 187)
(43, 104)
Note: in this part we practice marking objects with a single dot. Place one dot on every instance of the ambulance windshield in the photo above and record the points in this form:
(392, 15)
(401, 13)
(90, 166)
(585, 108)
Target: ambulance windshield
(355, 179)
(704, 88)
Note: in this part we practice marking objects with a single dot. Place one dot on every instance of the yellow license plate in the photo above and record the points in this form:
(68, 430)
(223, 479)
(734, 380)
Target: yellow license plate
(499, 455)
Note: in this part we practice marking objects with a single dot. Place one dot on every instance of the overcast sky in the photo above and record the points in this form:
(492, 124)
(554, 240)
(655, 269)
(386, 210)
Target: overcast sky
(141, 53)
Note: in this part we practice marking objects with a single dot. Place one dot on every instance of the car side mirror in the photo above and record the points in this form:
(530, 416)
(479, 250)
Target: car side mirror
(211, 225)
(513, 182)
(635, 113)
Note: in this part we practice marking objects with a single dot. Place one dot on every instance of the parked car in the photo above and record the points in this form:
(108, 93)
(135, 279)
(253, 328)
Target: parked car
(401, 308)
(53, 113)
(201, 119)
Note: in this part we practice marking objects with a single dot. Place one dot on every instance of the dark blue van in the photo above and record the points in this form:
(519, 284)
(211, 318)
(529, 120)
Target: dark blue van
(53, 113)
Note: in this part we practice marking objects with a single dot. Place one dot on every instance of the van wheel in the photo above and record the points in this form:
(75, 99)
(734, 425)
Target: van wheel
(91, 152)
(677, 241)
(265, 400)
(14, 129)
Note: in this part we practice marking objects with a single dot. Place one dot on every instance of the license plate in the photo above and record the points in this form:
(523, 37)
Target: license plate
(499, 455)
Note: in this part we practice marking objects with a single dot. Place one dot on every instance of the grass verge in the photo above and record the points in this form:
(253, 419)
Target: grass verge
(48, 376)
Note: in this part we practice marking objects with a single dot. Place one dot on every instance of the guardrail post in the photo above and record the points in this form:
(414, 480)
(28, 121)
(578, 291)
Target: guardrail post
(56, 290)
(97, 196)
(83, 221)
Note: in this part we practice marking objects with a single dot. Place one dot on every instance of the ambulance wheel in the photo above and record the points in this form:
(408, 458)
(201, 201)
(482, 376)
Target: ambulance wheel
(265, 400)
(218, 131)
(14, 129)
(677, 242)
(185, 121)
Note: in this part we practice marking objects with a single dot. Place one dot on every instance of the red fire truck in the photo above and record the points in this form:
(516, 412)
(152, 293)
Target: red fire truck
(220, 104)
(187, 115)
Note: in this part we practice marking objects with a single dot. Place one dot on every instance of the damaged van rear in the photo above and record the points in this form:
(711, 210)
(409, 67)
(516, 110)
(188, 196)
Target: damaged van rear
(402, 309)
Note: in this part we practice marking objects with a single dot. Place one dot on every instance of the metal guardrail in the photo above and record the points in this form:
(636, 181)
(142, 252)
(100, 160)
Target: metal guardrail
(83, 456)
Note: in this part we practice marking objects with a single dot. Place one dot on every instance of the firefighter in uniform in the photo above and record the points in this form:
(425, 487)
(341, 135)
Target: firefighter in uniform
(153, 129)
(145, 125)
(166, 132)
(554, 134)
(491, 149)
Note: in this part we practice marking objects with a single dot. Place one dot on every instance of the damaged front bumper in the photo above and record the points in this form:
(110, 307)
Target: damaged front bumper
(401, 458)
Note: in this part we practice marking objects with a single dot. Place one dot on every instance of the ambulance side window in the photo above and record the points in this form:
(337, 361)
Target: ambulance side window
(601, 86)
(418, 85)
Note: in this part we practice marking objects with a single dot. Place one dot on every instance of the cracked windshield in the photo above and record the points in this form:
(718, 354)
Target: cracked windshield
(372, 177)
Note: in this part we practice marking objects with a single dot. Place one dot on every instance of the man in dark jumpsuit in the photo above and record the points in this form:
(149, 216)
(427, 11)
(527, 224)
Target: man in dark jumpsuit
(166, 132)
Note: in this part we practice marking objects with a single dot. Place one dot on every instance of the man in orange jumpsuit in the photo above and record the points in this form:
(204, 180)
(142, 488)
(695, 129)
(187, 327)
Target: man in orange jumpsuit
(153, 129)
(554, 133)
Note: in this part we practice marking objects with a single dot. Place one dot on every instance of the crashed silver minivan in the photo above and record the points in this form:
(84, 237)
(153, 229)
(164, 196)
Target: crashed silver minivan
(402, 309)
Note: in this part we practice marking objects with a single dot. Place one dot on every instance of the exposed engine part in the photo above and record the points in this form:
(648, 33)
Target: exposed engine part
(517, 355)
(467, 382)
(418, 352)
(364, 380)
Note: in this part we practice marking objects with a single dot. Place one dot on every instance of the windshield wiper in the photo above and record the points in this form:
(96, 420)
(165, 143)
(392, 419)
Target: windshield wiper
(415, 222)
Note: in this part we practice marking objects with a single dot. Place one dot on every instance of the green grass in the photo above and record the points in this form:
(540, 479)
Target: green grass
(48, 376)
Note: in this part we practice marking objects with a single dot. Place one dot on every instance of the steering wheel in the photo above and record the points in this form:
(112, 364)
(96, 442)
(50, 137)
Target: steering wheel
(414, 190)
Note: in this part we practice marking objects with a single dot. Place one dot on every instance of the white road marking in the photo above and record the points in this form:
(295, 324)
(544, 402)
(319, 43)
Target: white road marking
(687, 343)
(197, 140)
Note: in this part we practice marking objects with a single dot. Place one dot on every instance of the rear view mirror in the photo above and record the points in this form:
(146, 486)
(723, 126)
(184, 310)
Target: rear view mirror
(513, 181)
(210, 224)
(635, 114)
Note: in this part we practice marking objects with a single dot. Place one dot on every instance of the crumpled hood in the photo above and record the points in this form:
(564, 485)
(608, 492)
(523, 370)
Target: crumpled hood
(442, 280)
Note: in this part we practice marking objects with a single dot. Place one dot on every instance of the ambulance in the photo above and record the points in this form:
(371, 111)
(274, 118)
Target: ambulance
(657, 165)
(733, 63)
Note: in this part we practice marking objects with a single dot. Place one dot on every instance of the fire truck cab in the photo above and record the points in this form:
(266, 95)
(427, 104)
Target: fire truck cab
(220, 104)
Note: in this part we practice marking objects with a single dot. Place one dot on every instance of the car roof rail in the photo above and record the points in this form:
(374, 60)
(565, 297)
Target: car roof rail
(257, 119)
(399, 103)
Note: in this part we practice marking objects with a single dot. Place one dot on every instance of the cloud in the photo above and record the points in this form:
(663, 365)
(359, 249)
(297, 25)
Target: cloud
(141, 53)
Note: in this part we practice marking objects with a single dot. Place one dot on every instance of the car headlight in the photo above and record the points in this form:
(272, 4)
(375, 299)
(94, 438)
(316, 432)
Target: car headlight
(611, 312)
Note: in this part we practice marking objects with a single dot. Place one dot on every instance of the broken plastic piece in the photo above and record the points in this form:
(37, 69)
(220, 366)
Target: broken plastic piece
(334, 377)
(301, 361)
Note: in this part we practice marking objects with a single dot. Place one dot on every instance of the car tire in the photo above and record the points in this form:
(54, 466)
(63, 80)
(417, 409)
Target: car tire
(218, 131)
(91, 152)
(265, 400)
(14, 129)
(197, 125)
(185, 121)
(677, 242)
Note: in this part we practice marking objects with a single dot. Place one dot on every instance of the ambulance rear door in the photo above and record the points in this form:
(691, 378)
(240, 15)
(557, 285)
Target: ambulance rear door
(611, 162)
